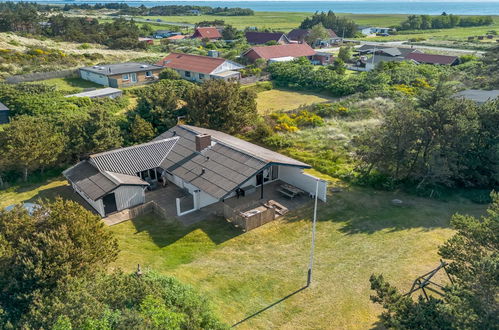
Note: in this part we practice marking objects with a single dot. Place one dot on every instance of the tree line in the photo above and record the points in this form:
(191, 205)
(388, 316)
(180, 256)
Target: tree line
(444, 21)
(26, 18)
(184, 10)
(54, 271)
(341, 25)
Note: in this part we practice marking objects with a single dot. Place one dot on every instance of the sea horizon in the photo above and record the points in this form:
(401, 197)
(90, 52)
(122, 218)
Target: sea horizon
(459, 7)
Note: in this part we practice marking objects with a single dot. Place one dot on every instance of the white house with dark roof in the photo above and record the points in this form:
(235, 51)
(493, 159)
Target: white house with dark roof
(208, 165)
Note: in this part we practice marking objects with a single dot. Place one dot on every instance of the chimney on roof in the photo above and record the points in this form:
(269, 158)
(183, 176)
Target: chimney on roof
(203, 171)
(203, 141)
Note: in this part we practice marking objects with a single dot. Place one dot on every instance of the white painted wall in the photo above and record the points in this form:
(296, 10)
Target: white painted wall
(129, 196)
(97, 205)
(226, 66)
(95, 77)
(296, 177)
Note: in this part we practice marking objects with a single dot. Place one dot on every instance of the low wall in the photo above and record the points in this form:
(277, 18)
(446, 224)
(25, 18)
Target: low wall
(248, 223)
(137, 211)
(254, 79)
(37, 76)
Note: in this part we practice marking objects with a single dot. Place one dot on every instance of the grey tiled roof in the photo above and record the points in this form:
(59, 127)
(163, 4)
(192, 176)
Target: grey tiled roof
(97, 92)
(120, 68)
(227, 164)
(89, 180)
(478, 95)
(134, 159)
(95, 184)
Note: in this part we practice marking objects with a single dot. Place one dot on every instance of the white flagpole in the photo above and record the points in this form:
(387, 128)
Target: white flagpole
(312, 247)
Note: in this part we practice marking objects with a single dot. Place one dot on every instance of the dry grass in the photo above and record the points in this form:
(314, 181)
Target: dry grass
(16, 42)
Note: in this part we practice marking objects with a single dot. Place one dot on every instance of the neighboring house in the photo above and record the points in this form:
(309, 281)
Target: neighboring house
(435, 59)
(322, 58)
(381, 54)
(300, 36)
(176, 38)
(121, 75)
(158, 34)
(209, 166)
(116, 180)
(260, 38)
(478, 95)
(276, 52)
(4, 114)
(207, 33)
(200, 68)
(367, 30)
(148, 41)
(102, 92)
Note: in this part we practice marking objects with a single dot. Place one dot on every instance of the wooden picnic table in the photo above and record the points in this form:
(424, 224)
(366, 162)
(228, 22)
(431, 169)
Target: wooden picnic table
(290, 191)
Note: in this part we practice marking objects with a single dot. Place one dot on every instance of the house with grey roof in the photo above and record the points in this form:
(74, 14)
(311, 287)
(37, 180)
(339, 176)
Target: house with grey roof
(207, 165)
(110, 92)
(4, 114)
(121, 74)
(479, 95)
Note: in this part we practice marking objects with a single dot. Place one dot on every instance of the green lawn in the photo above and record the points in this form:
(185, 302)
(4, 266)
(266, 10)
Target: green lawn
(31, 192)
(73, 85)
(281, 99)
(359, 232)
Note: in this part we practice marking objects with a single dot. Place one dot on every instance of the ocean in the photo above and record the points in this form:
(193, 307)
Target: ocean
(354, 7)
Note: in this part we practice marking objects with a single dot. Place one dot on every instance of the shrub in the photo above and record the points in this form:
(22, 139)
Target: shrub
(278, 141)
(169, 74)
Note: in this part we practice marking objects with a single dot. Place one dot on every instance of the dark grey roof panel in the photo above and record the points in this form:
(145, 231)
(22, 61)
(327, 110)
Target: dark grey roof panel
(120, 68)
(89, 180)
(134, 159)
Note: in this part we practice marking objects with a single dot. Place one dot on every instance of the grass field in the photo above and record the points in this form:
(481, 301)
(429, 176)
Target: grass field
(278, 20)
(282, 100)
(359, 232)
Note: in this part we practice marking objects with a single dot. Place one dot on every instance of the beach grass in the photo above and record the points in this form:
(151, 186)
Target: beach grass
(285, 100)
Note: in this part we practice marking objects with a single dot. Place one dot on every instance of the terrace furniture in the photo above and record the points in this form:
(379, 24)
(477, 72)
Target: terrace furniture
(279, 208)
(289, 191)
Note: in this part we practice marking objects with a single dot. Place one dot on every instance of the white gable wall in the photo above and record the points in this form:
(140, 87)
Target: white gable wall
(296, 177)
(129, 196)
(227, 66)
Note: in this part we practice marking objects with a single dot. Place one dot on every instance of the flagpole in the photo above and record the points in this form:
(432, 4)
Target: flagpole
(312, 247)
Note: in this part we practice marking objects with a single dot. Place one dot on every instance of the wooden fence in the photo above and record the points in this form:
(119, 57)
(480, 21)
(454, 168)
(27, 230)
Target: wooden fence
(37, 76)
(137, 211)
(249, 222)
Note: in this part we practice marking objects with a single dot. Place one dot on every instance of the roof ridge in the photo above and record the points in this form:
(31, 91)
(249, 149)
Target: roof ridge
(134, 146)
(229, 145)
(196, 55)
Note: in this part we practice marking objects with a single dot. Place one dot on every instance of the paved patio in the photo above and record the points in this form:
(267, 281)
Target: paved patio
(166, 197)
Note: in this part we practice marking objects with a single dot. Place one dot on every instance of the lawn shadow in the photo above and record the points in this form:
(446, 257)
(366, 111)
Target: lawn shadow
(269, 306)
(164, 233)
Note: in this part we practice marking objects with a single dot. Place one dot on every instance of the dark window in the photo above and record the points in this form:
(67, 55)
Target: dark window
(187, 74)
(201, 76)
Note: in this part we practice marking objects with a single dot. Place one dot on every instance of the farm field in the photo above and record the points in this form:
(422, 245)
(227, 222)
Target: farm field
(282, 100)
(243, 273)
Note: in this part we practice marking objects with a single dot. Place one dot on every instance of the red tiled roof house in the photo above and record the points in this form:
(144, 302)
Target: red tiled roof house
(276, 52)
(199, 68)
(207, 33)
(422, 58)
